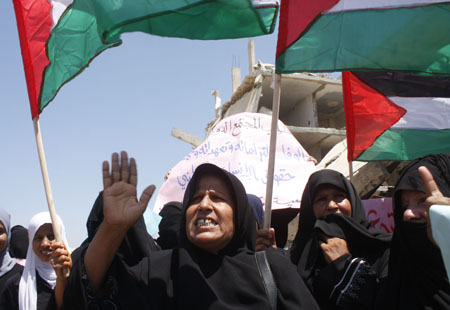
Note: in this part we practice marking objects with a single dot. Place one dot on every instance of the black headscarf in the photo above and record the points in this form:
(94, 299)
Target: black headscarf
(169, 227)
(417, 276)
(18, 244)
(257, 207)
(363, 240)
(188, 277)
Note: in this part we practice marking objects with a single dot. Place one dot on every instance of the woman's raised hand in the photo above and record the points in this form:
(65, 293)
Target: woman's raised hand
(435, 197)
(121, 207)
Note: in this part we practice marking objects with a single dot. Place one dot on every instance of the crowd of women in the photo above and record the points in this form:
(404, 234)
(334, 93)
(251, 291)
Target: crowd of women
(212, 253)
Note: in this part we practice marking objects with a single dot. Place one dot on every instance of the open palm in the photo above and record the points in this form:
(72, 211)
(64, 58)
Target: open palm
(120, 204)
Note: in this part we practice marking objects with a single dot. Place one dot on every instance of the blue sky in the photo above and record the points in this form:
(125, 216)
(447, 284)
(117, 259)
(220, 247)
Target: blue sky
(129, 98)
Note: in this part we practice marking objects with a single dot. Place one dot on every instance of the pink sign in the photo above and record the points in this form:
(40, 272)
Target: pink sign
(240, 145)
(379, 213)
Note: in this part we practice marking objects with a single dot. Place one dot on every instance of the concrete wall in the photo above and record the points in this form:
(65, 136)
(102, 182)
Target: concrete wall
(335, 120)
(303, 114)
(239, 106)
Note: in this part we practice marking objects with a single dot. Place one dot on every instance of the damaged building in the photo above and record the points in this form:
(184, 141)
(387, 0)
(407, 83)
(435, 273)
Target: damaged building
(312, 107)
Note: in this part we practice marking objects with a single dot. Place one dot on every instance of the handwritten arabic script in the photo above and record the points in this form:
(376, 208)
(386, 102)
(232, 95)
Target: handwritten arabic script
(240, 145)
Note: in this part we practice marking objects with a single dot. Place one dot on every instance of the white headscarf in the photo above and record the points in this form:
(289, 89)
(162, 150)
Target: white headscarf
(6, 262)
(27, 286)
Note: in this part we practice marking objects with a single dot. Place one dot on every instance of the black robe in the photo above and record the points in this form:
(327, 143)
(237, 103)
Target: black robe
(417, 276)
(9, 300)
(17, 269)
(354, 281)
(169, 227)
(190, 278)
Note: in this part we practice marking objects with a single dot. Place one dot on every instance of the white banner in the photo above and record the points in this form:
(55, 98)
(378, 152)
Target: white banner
(240, 145)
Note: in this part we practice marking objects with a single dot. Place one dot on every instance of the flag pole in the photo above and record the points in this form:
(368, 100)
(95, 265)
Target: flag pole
(350, 171)
(272, 149)
(48, 188)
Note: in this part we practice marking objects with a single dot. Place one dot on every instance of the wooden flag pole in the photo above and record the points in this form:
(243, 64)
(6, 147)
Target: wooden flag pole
(272, 149)
(350, 171)
(48, 189)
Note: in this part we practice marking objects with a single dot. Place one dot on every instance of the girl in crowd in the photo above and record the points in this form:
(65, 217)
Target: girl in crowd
(8, 267)
(341, 258)
(417, 277)
(214, 266)
(41, 284)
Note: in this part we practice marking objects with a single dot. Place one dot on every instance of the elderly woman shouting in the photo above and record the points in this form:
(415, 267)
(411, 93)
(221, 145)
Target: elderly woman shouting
(214, 266)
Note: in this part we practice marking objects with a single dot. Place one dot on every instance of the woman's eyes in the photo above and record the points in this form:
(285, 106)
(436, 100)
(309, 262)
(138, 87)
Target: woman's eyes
(319, 199)
(196, 199)
(216, 198)
(49, 237)
(336, 198)
(212, 196)
(339, 198)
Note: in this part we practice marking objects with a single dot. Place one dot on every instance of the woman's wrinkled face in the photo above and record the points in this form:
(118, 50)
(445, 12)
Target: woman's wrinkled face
(42, 241)
(330, 199)
(3, 237)
(413, 204)
(209, 217)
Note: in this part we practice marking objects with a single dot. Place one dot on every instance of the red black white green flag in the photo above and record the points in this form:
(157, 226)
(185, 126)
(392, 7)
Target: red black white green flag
(340, 35)
(396, 116)
(59, 38)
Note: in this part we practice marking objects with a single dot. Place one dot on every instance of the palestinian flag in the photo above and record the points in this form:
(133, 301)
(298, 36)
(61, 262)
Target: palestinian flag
(339, 35)
(59, 38)
(396, 116)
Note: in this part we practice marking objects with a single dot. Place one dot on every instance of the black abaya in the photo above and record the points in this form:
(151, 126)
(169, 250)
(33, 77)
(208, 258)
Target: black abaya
(10, 301)
(169, 227)
(17, 269)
